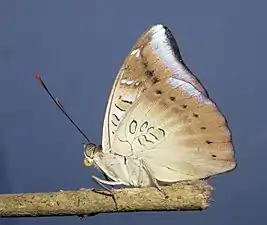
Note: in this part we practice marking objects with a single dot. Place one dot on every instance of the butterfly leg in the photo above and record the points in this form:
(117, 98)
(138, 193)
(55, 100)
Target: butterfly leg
(154, 180)
(102, 184)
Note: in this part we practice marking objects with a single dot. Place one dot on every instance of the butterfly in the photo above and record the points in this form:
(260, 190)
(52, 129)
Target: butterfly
(160, 124)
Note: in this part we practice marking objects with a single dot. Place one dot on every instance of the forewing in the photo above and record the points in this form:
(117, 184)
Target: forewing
(153, 58)
(178, 132)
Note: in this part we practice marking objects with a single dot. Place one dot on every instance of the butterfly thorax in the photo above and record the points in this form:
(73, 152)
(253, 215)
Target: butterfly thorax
(128, 170)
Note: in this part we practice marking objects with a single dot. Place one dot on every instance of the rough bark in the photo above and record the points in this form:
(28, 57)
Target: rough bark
(186, 196)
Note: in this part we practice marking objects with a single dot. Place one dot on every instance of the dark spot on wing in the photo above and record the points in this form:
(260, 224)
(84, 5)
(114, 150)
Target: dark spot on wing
(154, 136)
(144, 126)
(163, 132)
(133, 127)
(147, 140)
(158, 92)
(139, 140)
(117, 118)
(121, 109)
(125, 101)
(114, 123)
(150, 74)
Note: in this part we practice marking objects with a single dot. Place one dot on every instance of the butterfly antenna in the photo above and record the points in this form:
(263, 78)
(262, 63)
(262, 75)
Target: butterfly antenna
(60, 106)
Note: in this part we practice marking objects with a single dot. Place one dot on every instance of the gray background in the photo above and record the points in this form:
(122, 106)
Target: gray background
(78, 47)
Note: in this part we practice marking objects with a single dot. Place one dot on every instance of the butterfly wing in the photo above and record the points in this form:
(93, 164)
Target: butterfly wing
(177, 132)
(154, 57)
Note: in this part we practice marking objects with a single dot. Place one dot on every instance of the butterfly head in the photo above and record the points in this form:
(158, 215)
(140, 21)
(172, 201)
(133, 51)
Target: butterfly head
(89, 152)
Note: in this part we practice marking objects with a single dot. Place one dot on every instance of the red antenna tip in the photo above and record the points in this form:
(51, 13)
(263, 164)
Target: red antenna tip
(39, 79)
(37, 76)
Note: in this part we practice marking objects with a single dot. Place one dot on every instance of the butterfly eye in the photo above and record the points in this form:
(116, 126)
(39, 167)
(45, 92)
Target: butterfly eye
(89, 151)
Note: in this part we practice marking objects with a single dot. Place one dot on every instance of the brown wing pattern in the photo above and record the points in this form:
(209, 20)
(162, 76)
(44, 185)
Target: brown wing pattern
(178, 133)
(154, 57)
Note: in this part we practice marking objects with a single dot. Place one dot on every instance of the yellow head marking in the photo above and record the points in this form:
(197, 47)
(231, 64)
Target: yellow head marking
(87, 163)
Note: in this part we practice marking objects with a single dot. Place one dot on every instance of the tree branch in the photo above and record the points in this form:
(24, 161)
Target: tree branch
(186, 196)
